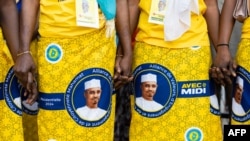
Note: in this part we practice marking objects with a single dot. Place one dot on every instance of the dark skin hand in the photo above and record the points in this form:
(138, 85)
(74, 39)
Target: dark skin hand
(224, 66)
(223, 75)
(120, 79)
(32, 94)
(219, 70)
(131, 11)
(25, 67)
(123, 62)
(9, 24)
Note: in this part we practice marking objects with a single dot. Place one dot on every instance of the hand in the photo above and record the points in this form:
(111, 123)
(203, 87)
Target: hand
(25, 70)
(223, 68)
(122, 71)
(32, 94)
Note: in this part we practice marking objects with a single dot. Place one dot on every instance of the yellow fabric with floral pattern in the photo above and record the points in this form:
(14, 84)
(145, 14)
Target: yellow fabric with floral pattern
(63, 65)
(30, 128)
(189, 118)
(242, 59)
(10, 121)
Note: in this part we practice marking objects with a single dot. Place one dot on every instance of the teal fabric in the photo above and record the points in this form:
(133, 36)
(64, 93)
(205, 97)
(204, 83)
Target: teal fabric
(108, 8)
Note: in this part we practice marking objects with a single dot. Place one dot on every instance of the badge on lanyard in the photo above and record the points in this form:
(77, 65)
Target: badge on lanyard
(87, 13)
(157, 11)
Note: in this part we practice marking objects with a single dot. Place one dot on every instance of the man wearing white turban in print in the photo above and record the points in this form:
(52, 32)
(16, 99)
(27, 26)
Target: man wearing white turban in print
(148, 90)
(236, 104)
(92, 94)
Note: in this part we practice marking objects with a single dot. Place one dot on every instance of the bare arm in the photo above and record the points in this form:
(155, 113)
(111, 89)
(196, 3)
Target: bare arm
(212, 16)
(132, 8)
(9, 25)
(126, 23)
(25, 67)
(124, 50)
(223, 61)
(123, 27)
(226, 21)
(134, 12)
(28, 23)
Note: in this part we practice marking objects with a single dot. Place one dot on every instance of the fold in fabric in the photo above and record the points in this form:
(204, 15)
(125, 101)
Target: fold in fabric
(177, 17)
(108, 8)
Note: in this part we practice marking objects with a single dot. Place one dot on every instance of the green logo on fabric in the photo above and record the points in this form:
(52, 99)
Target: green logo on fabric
(53, 53)
(193, 134)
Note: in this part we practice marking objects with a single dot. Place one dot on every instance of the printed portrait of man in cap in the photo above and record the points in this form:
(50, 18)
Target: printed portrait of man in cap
(91, 95)
(236, 103)
(148, 91)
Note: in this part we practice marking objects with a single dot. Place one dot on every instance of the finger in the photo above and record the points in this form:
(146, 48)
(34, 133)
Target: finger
(219, 76)
(219, 73)
(131, 78)
(227, 75)
(23, 83)
(116, 76)
(33, 95)
(118, 85)
(127, 78)
(124, 79)
(30, 82)
(233, 67)
(117, 71)
(226, 72)
(22, 78)
(25, 93)
(228, 80)
(213, 74)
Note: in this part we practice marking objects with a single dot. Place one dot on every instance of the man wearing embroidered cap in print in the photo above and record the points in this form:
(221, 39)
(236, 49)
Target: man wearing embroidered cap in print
(178, 45)
(236, 105)
(92, 94)
(148, 88)
(85, 6)
(161, 5)
(63, 41)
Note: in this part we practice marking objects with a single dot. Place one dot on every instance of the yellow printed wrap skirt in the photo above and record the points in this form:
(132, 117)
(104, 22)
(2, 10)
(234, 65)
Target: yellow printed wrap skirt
(10, 101)
(67, 67)
(184, 105)
(241, 98)
(30, 128)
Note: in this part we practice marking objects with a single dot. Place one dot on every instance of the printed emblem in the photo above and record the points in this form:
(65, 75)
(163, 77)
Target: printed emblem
(53, 53)
(12, 92)
(193, 134)
(88, 97)
(155, 90)
(241, 97)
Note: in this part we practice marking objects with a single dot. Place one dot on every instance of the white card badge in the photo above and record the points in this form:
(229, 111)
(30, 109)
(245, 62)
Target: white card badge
(87, 13)
(157, 11)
